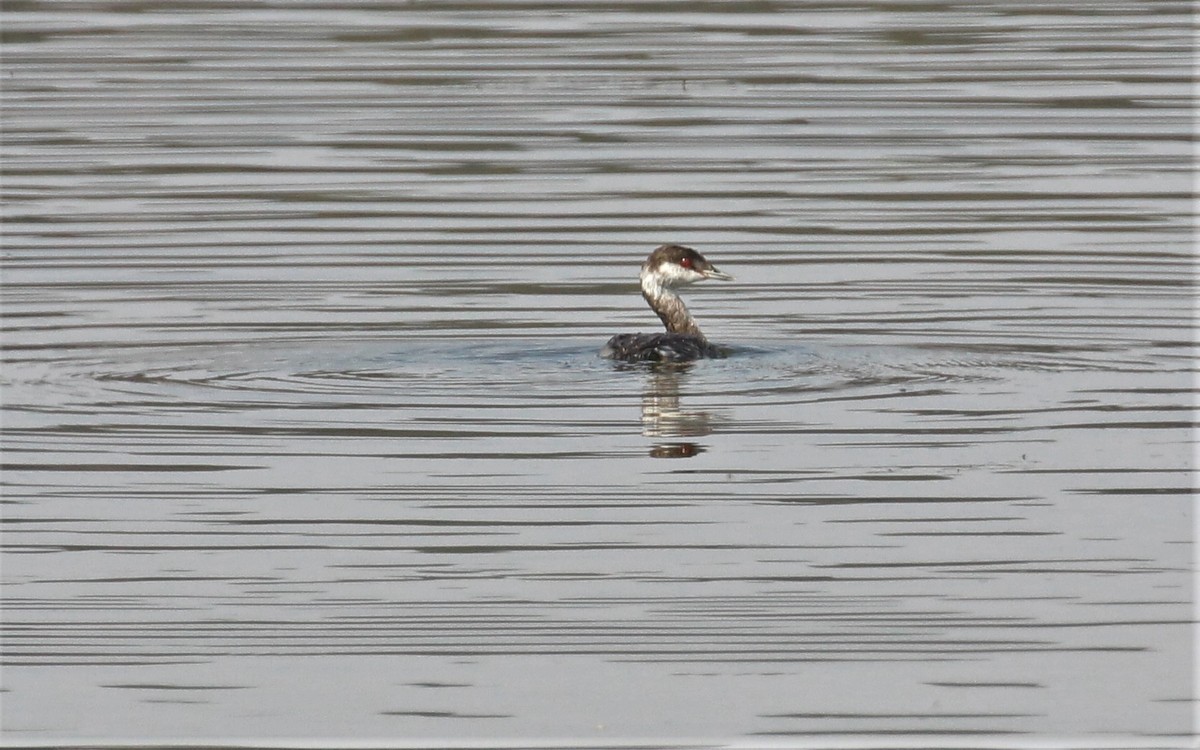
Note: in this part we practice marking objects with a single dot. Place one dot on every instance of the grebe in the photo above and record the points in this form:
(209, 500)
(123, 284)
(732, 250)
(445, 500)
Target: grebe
(667, 267)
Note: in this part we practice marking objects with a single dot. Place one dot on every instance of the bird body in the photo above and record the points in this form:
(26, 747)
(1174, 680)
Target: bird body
(659, 347)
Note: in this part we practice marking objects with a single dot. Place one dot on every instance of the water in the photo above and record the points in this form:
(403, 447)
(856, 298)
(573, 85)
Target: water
(306, 438)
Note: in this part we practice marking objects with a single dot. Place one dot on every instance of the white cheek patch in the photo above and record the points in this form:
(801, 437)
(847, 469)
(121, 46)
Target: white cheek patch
(673, 274)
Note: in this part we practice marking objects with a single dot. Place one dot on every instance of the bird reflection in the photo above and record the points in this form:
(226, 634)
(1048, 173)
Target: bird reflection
(662, 416)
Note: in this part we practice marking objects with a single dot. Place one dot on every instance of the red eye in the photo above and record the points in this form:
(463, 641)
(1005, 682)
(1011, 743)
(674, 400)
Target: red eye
(686, 262)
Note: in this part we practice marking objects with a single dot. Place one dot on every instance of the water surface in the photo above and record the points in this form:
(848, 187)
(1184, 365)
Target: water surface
(306, 437)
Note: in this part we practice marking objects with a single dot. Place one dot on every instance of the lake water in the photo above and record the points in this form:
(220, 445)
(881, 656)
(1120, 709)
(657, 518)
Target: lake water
(306, 438)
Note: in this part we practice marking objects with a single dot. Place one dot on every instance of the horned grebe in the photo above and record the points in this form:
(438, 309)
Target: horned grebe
(667, 267)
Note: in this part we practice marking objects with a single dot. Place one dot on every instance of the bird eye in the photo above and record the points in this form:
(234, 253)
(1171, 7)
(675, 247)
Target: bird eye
(685, 262)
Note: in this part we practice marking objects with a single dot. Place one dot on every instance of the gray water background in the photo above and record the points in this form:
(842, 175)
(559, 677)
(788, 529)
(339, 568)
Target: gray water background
(305, 437)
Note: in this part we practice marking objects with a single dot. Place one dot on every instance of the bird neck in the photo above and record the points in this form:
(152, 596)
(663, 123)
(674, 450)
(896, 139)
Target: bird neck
(669, 307)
